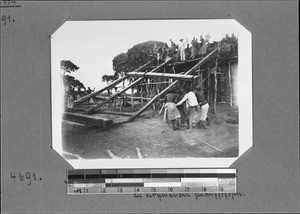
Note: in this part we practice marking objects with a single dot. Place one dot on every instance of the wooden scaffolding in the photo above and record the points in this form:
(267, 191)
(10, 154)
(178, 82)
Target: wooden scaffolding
(144, 74)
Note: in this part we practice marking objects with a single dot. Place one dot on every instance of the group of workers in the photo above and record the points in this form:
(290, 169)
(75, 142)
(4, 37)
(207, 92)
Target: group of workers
(183, 51)
(194, 111)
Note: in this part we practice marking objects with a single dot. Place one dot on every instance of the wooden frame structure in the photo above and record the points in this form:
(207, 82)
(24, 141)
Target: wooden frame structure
(170, 86)
(89, 111)
(148, 73)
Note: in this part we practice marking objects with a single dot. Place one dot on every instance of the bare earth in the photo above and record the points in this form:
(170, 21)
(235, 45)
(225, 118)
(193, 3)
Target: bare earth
(150, 137)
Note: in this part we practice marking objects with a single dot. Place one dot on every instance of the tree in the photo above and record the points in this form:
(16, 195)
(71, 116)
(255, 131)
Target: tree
(121, 64)
(70, 83)
(68, 66)
(109, 78)
(135, 57)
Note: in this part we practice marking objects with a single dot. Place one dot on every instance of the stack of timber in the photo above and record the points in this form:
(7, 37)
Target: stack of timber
(88, 120)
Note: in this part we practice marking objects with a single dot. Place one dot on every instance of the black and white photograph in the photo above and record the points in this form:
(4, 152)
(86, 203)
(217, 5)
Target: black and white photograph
(151, 91)
(149, 106)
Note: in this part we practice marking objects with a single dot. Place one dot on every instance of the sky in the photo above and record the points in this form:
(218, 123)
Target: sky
(92, 45)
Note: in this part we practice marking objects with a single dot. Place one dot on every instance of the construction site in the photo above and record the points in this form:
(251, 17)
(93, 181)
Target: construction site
(128, 123)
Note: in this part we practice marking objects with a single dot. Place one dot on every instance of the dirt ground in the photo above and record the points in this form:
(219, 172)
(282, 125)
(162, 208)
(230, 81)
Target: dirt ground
(150, 137)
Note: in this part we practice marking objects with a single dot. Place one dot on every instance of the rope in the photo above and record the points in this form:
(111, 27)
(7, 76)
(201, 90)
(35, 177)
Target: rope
(204, 143)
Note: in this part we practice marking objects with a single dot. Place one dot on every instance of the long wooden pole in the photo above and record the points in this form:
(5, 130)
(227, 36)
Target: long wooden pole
(204, 142)
(141, 93)
(199, 76)
(208, 87)
(229, 83)
(132, 96)
(116, 82)
(170, 86)
(89, 111)
(162, 75)
(216, 87)
(148, 88)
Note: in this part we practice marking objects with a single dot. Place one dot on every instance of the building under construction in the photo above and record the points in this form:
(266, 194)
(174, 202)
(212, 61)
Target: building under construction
(216, 72)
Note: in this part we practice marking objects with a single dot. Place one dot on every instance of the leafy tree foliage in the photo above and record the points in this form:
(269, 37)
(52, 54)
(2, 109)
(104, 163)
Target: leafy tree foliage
(121, 64)
(135, 57)
(109, 78)
(70, 83)
(68, 66)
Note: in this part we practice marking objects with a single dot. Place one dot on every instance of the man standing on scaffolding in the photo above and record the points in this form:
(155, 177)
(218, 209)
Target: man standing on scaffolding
(194, 48)
(182, 49)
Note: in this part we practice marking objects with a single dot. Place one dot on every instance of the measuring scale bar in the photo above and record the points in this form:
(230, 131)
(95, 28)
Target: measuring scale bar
(155, 181)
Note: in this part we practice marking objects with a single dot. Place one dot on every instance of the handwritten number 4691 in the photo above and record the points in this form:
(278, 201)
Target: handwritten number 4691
(29, 177)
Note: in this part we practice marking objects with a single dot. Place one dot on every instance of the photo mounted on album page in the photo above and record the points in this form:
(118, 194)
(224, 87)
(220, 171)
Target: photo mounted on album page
(124, 95)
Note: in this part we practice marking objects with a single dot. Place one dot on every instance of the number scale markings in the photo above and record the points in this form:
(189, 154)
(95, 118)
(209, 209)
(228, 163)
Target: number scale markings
(151, 181)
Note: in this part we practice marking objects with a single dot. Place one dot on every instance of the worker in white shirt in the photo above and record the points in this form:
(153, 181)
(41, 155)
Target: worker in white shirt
(192, 105)
(182, 49)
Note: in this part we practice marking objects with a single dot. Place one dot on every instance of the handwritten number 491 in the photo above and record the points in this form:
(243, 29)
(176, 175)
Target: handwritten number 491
(23, 177)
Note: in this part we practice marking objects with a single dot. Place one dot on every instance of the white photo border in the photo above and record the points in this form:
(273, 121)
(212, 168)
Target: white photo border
(245, 119)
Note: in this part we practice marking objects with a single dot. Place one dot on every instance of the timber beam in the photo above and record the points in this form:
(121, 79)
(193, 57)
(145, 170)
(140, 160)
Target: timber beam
(163, 75)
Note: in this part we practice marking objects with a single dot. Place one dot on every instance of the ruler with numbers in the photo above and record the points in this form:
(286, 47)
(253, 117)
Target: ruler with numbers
(139, 181)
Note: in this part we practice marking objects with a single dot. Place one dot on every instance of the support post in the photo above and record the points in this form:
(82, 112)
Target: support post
(132, 101)
(208, 87)
(157, 85)
(148, 88)
(216, 87)
(141, 93)
(229, 84)
(199, 75)
(121, 103)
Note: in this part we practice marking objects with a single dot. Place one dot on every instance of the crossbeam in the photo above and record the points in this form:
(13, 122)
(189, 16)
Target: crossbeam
(89, 111)
(162, 75)
(170, 86)
(113, 84)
